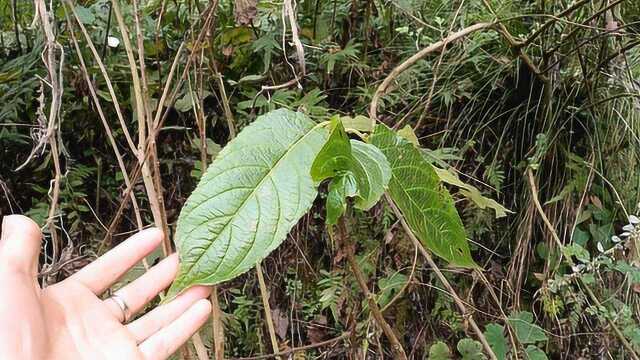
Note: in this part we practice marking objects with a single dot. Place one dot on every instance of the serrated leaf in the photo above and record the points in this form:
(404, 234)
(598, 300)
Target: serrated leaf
(427, 207)
(439, 351)
(85, 15)
(497, 341)
(248, 200)
(366, 164)
(534, 353)
(526, 331)
(470, 349)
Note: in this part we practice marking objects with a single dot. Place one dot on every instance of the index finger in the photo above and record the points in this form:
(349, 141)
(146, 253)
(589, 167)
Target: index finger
(107, 269)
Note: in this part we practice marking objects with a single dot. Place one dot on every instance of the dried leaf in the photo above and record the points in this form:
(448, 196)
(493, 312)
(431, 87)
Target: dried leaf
(280, 322)
(245, 11)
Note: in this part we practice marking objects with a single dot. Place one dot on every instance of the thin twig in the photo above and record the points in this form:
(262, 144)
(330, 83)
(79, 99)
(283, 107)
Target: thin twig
(298, 349)
(198, 344)
(54, 69)
(216, 313)
(427, 105)
(264, 294)
(218, 329)
(515, 44)
(345, 241)
(105, 123)
(548, 23)
(384, 86)
(103, 70)
(289, 10)
(150, 179)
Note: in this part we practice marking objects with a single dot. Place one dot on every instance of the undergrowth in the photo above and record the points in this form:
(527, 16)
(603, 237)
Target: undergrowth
(533, 120)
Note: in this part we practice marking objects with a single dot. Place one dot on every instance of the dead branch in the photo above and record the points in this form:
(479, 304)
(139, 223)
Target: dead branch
(54, 69)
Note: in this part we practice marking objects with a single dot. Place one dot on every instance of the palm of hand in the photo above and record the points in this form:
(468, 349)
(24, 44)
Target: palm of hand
(69, 320)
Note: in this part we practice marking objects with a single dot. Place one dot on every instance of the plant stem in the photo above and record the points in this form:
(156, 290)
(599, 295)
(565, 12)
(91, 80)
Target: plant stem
(218, 329)
(106, 33)
(264, 294)
(216, 318)
(150, 172)
(107, 128)
(14, 14)
(201, 350)
(55, 80)
(345, 242)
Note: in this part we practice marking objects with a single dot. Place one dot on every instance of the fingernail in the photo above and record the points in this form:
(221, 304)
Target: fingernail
(5, 230)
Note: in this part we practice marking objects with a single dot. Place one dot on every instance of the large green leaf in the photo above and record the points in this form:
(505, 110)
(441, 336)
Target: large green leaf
(357, 170)
(248, 200)
(427, 207)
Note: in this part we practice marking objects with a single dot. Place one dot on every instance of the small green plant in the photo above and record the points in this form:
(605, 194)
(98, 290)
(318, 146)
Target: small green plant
(467, 348)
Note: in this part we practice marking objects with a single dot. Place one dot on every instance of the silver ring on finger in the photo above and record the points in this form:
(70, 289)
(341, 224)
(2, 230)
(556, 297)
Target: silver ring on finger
(124, 308)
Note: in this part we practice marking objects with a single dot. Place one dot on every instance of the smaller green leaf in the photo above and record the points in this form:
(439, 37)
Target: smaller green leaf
(578, 251)
(335, 156)
(470, 349)
(526, 331)
(340, 188)
(359, 123)
(358, 170)
(407, 133)
(428, 208)
(471, 192)
(85, 15)
(372, 172)
(534, 353)
(251, 78)
(439, 351)
(497, 341)
(390, 286)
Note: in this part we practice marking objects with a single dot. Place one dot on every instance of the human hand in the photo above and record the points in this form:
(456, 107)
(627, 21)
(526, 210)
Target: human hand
(69, 320)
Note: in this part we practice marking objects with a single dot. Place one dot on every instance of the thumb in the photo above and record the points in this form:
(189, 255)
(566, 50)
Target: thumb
(20, 244)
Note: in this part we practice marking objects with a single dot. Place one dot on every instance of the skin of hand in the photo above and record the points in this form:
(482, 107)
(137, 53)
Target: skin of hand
(69, 320)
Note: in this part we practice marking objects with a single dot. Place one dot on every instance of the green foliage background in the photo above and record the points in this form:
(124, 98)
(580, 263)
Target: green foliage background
(548, 92)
